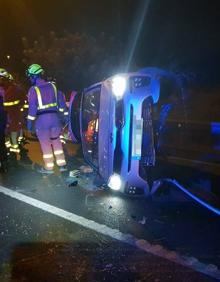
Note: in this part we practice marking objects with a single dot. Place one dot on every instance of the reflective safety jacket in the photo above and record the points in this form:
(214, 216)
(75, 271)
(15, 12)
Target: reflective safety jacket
(45, 98)
(25, 106)
(2, 118)
(13, 98)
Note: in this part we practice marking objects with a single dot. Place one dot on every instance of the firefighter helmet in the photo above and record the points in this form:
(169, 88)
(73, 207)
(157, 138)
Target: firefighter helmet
(10, 77)
(35, 69)
(4, 73)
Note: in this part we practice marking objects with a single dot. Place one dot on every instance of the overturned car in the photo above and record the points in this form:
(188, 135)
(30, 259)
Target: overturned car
(139, 130)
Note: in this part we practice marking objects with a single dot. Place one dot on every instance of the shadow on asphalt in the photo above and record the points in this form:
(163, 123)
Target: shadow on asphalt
(81, 261)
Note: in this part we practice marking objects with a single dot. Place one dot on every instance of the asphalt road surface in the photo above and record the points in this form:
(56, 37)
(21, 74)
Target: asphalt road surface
(53, 231)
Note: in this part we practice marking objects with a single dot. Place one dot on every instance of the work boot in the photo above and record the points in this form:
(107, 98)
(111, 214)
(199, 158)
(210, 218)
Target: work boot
(62, 168)
(3, 167)
(24, 158)
(12, 159)
(45, 171)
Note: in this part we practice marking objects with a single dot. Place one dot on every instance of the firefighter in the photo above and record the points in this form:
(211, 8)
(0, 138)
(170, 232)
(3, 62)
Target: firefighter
(24, 110)
(13, 100)
(3, 154)
(46, 103)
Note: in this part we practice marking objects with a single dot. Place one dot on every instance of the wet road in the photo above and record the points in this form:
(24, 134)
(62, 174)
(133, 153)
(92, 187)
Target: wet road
(39, 246)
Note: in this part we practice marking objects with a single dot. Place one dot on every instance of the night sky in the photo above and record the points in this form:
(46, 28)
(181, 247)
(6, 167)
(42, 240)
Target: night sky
(173, 32)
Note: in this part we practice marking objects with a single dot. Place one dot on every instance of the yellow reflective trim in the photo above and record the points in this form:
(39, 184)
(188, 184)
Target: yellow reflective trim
(8, 104)
(47, 106)
(50, 165)
(58, 152)
(61, 110)
(55, 90)
(8, 144)
(47, 156)
(39, 98)
(26, 106)
(59, 162)
(14, 146)
(14, 150)
(31, 117)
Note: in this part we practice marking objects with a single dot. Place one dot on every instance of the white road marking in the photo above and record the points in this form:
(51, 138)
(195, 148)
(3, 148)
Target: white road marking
(141, 244)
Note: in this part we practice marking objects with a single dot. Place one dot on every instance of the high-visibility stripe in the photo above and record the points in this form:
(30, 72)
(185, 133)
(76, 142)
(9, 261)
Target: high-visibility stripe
(62, 139)
(61, 162)
(50, 165)
(66, 114)
(55, 90)
(8, 104)
(61, 110)
(31, 117)
(58, 152)
(39, 98)
(20, 139)
(26, 106)
(8, 144)
(47, 106)
(14, 145)
(15, 150)
(47, 156)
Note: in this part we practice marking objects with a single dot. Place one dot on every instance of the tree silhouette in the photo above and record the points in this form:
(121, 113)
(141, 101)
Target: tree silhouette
(75, 60)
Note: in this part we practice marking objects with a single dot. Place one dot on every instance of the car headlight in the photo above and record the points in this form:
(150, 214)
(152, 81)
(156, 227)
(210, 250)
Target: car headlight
(115, 182)
(118, 86)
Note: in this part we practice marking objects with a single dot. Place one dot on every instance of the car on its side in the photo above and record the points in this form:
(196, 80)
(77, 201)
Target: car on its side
(139, 127)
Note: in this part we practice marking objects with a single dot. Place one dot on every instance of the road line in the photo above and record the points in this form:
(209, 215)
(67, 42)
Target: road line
(144, 245)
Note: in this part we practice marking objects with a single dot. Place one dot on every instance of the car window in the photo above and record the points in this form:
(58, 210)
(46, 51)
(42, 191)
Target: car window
(90, 125)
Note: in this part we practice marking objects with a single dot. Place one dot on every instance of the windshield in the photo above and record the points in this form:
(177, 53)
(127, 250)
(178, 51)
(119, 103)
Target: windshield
(90, 125)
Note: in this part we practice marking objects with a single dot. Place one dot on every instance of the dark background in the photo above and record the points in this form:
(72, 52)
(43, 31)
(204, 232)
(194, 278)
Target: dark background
(175, 34)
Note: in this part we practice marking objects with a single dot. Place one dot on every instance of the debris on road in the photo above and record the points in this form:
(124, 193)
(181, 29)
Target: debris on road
(74, 183)
(85, 169)
(86, 199)
(74, 173)
(71, 181)
(143, 221)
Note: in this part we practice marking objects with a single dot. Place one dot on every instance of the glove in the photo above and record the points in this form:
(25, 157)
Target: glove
(30, 126)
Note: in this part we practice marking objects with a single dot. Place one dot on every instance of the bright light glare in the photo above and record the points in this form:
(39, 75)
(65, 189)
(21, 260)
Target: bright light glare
(115, 182)
(118, 86)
